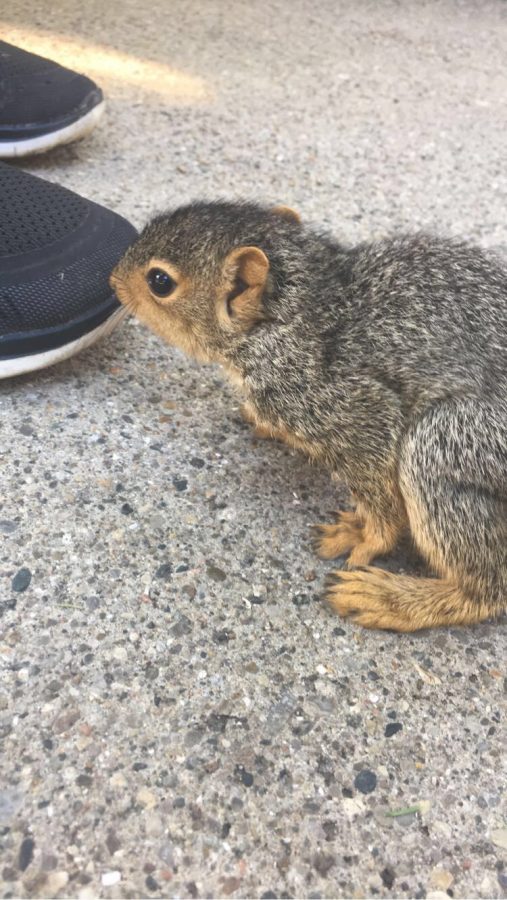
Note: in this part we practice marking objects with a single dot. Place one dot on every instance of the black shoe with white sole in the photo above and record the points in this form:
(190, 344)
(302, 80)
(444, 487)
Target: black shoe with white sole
(42, 104)
(57, 251)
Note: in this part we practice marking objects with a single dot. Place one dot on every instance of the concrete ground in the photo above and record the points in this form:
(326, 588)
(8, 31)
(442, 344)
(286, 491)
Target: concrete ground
(181, 716)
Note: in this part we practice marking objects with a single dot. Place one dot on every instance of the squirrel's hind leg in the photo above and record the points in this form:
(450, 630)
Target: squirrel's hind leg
(453, 479)
(375, 598)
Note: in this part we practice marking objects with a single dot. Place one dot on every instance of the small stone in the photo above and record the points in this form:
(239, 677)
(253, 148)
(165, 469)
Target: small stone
(87, 893)
(66, 720)
(84, 780)
(323, 862)
(146, 798)
(301, 600)
(499, 838)
(180, 484)
(246, 777)
(388, 877)
(26, 430)
(26, 853)
(164, 571)
(182, 626)
(197, 462)
(9, 874)
(223, 636)
(216, 574)
(166, 854)
(120, 654)
(153, 824)
(365, 781)
(7, 527)
(353, 806)
(441, 879)
(21, 580)
(8, 605)
(49, 862)
(393, 728)
(151, 884)
(55, 882)
(112, 842)
(110, 878)
(92, 603)
(118, 780)
(126, 510)
(229, 885)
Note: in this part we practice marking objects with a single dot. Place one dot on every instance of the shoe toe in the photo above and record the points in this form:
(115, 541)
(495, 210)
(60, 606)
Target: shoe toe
(57, 250)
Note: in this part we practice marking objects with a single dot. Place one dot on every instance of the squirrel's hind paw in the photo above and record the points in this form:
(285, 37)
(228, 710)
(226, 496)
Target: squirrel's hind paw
(375, 598)
(361, 596)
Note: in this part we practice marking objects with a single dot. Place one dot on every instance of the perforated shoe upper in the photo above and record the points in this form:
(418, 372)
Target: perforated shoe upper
(35, 213)
(57, 250)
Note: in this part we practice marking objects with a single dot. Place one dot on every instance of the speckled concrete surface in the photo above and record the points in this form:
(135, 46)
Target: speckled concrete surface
(181, 716)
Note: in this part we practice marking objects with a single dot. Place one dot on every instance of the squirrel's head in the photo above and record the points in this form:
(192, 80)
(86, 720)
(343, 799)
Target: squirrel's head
(202, 276)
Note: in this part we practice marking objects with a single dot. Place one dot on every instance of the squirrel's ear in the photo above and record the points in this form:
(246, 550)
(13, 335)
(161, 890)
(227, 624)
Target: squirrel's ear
(285, 212)
(250, 264)
(247, 268)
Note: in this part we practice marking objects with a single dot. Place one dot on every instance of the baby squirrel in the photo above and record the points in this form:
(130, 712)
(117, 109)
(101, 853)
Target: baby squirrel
(386, 362)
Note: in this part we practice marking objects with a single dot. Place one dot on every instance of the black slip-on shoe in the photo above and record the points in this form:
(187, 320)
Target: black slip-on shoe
(57, 251)
(42, 104)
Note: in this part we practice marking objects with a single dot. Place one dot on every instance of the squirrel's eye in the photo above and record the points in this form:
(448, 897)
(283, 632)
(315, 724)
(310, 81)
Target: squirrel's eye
(160, 283)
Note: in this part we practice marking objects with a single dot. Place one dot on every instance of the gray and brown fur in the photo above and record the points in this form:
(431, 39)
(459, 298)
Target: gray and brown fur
(386, 362)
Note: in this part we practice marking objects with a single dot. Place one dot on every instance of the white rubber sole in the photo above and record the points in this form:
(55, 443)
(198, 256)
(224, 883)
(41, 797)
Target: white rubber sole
(22, 364)
(78, 129)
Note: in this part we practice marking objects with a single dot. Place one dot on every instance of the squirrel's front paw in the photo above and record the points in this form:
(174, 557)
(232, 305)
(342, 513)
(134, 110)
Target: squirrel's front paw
(339, 538)
(361, 535)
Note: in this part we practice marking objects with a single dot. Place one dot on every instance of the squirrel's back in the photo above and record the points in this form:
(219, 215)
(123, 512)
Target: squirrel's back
(425, 312)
